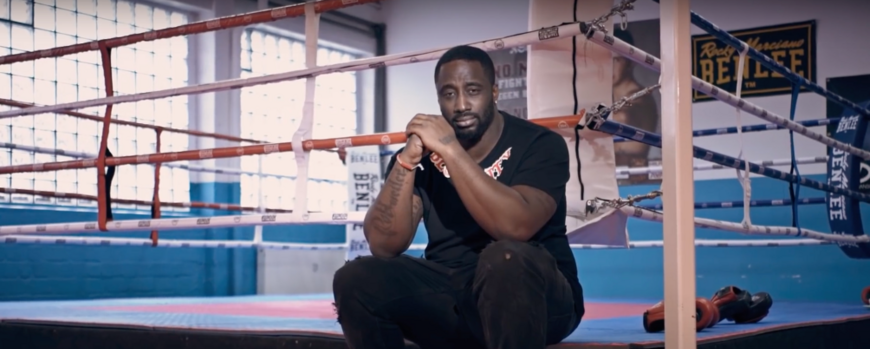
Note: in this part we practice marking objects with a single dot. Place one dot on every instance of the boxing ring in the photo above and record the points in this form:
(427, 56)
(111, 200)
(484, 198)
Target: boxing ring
(309, 320)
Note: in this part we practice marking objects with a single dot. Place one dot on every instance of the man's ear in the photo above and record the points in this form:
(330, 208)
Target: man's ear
(495, 92)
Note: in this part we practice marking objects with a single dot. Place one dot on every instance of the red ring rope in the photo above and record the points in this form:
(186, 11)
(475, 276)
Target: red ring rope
(240, 20)
(559, 122)
(18, 104)
(194, 204)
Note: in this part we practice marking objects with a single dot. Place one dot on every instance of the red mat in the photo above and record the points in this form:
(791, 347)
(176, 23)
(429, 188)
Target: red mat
(323, 309)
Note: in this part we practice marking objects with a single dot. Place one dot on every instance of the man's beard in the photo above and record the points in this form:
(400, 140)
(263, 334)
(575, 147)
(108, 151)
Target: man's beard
(472, 136)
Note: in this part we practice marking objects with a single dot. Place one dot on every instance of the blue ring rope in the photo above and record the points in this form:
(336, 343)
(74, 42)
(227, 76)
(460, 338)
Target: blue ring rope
(722, 131)
(655, 140)
(739, 203)
(769, 63)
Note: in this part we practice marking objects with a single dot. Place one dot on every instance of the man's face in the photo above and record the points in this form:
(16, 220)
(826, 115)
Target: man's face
(466, 97)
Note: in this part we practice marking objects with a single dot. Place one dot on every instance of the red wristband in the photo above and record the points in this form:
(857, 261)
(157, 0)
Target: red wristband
(406, 165)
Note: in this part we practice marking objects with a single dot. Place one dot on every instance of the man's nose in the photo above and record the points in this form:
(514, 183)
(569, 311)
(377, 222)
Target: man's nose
(462, 104)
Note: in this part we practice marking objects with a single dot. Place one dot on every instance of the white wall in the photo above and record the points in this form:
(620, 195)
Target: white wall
(215, 56)
(420, 24)
(842, 49)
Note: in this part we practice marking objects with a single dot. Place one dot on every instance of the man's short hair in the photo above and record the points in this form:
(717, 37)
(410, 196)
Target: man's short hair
(468, 53)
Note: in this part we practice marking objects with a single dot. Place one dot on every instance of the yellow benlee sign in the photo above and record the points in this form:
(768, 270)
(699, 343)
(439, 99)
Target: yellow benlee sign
(792, 45)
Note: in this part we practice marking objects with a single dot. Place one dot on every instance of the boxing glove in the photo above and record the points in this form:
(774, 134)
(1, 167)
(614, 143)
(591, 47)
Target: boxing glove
(731, 300)
(705, 312)
(758, 309)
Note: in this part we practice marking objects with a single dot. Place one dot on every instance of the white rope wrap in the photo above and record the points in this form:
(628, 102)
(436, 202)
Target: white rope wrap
(312, 27)
(744, 180)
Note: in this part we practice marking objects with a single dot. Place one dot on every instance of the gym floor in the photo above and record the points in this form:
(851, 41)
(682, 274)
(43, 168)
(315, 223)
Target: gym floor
(309, 321)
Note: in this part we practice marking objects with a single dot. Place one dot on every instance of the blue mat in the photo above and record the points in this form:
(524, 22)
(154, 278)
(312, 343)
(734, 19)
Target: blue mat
(309, 314)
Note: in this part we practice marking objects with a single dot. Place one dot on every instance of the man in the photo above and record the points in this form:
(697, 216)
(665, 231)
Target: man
(498, 271)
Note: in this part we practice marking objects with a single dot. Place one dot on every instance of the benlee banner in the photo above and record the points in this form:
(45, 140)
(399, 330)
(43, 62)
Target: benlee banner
(792, 45)
(363, 186)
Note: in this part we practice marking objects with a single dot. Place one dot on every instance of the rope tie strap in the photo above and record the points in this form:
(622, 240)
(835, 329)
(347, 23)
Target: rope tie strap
(743, 178)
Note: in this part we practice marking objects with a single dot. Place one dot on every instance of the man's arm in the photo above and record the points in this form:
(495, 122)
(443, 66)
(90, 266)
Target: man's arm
(391, 222)
(519, 211)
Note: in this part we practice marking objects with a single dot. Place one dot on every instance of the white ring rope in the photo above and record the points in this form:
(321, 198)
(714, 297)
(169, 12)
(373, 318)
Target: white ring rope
(631, 171)
(657, 216)
(523, 39)
(175, 243)
(343, 218)
(247, 220)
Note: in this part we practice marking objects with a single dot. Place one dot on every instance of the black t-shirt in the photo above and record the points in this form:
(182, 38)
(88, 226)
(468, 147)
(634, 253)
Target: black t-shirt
(525, 154)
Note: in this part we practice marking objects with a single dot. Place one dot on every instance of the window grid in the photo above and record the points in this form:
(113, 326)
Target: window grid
(140, 67)
(272, 113)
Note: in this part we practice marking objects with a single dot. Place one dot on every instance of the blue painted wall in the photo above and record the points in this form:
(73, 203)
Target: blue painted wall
(788, 273)
(816, 273)
(30, 272)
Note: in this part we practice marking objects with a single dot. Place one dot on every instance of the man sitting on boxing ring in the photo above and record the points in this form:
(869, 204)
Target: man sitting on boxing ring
(498, 271)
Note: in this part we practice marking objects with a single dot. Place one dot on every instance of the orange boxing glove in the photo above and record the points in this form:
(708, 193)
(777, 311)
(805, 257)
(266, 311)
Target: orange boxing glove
(706, 316)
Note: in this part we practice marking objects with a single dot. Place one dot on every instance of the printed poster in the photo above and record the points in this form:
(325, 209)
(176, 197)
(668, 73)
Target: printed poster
(510, 75)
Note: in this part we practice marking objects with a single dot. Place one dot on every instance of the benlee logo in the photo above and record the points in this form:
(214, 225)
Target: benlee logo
(203, 221)
(494, 171)
(339, 216)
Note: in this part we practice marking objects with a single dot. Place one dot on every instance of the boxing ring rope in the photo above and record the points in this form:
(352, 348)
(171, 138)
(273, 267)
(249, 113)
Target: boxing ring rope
(17, 104)
(296, 218)
(522, 39)
(234, 21)
(596, 120)
(231, 171)
(740, 203)
(750, 128)
(218, 170)
(193, 204)
(177, 243)
(771, 64)
(656, 216)
(647, 60)
(712, 166)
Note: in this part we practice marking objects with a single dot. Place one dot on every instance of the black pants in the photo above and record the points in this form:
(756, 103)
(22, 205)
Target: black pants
(515, 297)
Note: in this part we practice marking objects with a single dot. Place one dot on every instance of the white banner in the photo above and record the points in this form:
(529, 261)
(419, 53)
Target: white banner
(363, 185)
(549, 62)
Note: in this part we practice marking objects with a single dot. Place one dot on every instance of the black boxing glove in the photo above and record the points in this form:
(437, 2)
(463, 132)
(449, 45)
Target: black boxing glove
(758, 309)
(731, 301)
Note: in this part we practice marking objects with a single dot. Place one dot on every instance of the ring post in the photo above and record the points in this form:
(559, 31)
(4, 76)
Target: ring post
(678, 179)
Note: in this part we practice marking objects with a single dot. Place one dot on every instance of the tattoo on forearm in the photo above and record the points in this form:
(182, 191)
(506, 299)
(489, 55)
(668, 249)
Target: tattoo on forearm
(383, 218)
(416, 207)
(447, 139)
